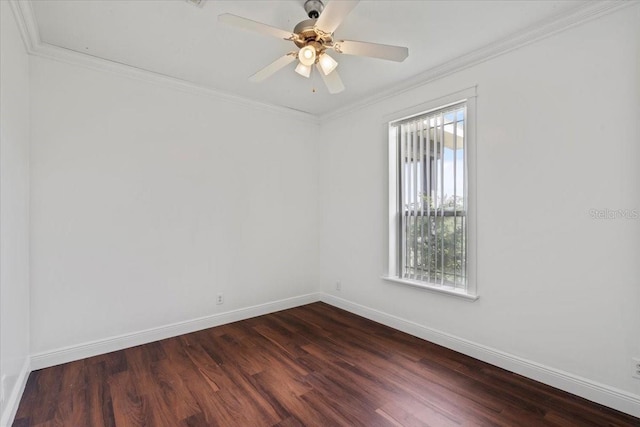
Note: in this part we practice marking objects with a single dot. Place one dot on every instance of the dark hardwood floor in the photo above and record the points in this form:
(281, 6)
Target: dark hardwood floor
(314, 365)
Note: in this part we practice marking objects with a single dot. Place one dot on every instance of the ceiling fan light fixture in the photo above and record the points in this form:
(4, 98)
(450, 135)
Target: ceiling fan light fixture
(327, 63)
(303, 70)
(307, 55)
(313, 37)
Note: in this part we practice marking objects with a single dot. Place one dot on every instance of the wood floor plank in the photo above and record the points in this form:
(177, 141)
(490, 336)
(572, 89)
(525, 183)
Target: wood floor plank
(351, 403)
(99, 396)
(314, 365)
(128, 406)
(416, 415)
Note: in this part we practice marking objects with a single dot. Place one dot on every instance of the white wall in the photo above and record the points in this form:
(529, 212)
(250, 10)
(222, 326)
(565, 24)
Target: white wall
(557, 134)
(148, 201)
(14, 202)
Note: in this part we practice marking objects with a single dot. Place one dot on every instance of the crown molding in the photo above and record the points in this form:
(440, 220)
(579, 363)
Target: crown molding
(27, 24)
(57, 53)
(25, 19)
(531, 34)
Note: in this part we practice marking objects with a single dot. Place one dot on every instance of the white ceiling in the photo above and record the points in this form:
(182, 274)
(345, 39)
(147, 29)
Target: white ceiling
(177, 39)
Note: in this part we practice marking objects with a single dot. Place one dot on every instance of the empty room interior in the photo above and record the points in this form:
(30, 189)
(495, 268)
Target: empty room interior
(319, 213)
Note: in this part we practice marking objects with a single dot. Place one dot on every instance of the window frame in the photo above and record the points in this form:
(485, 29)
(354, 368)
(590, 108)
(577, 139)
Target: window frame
(393, 274)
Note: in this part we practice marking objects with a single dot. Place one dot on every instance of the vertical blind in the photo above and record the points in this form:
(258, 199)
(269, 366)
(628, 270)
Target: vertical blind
(432, 197)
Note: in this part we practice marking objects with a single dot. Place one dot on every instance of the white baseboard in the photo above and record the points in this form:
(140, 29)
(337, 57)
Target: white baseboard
(102, 346)
(600, 393)
(16, 394)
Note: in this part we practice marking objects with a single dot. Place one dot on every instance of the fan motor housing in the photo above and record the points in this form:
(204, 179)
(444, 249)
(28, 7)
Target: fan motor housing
(307, 34)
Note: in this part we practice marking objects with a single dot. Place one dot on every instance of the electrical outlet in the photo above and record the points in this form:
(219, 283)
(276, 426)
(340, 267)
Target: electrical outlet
(338, 285)
(636, 368)
(220, 299)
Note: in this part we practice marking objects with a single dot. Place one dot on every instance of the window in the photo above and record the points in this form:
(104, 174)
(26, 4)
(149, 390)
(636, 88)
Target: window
(429, 239)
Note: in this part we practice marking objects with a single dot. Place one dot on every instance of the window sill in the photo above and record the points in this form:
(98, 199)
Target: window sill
(431, 288)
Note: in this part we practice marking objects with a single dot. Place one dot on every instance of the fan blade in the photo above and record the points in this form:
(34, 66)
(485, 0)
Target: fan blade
(272, 68)
(332, 81)
(258, 27)
(334, 13)
(374, 50)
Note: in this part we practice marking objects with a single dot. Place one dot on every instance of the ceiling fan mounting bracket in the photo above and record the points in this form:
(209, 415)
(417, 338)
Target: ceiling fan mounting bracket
(313, 8)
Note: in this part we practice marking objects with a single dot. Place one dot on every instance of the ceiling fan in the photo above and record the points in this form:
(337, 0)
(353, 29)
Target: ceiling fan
(313, 37)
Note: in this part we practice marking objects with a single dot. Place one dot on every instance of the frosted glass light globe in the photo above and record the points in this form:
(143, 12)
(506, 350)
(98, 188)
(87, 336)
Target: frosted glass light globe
(307, 55)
